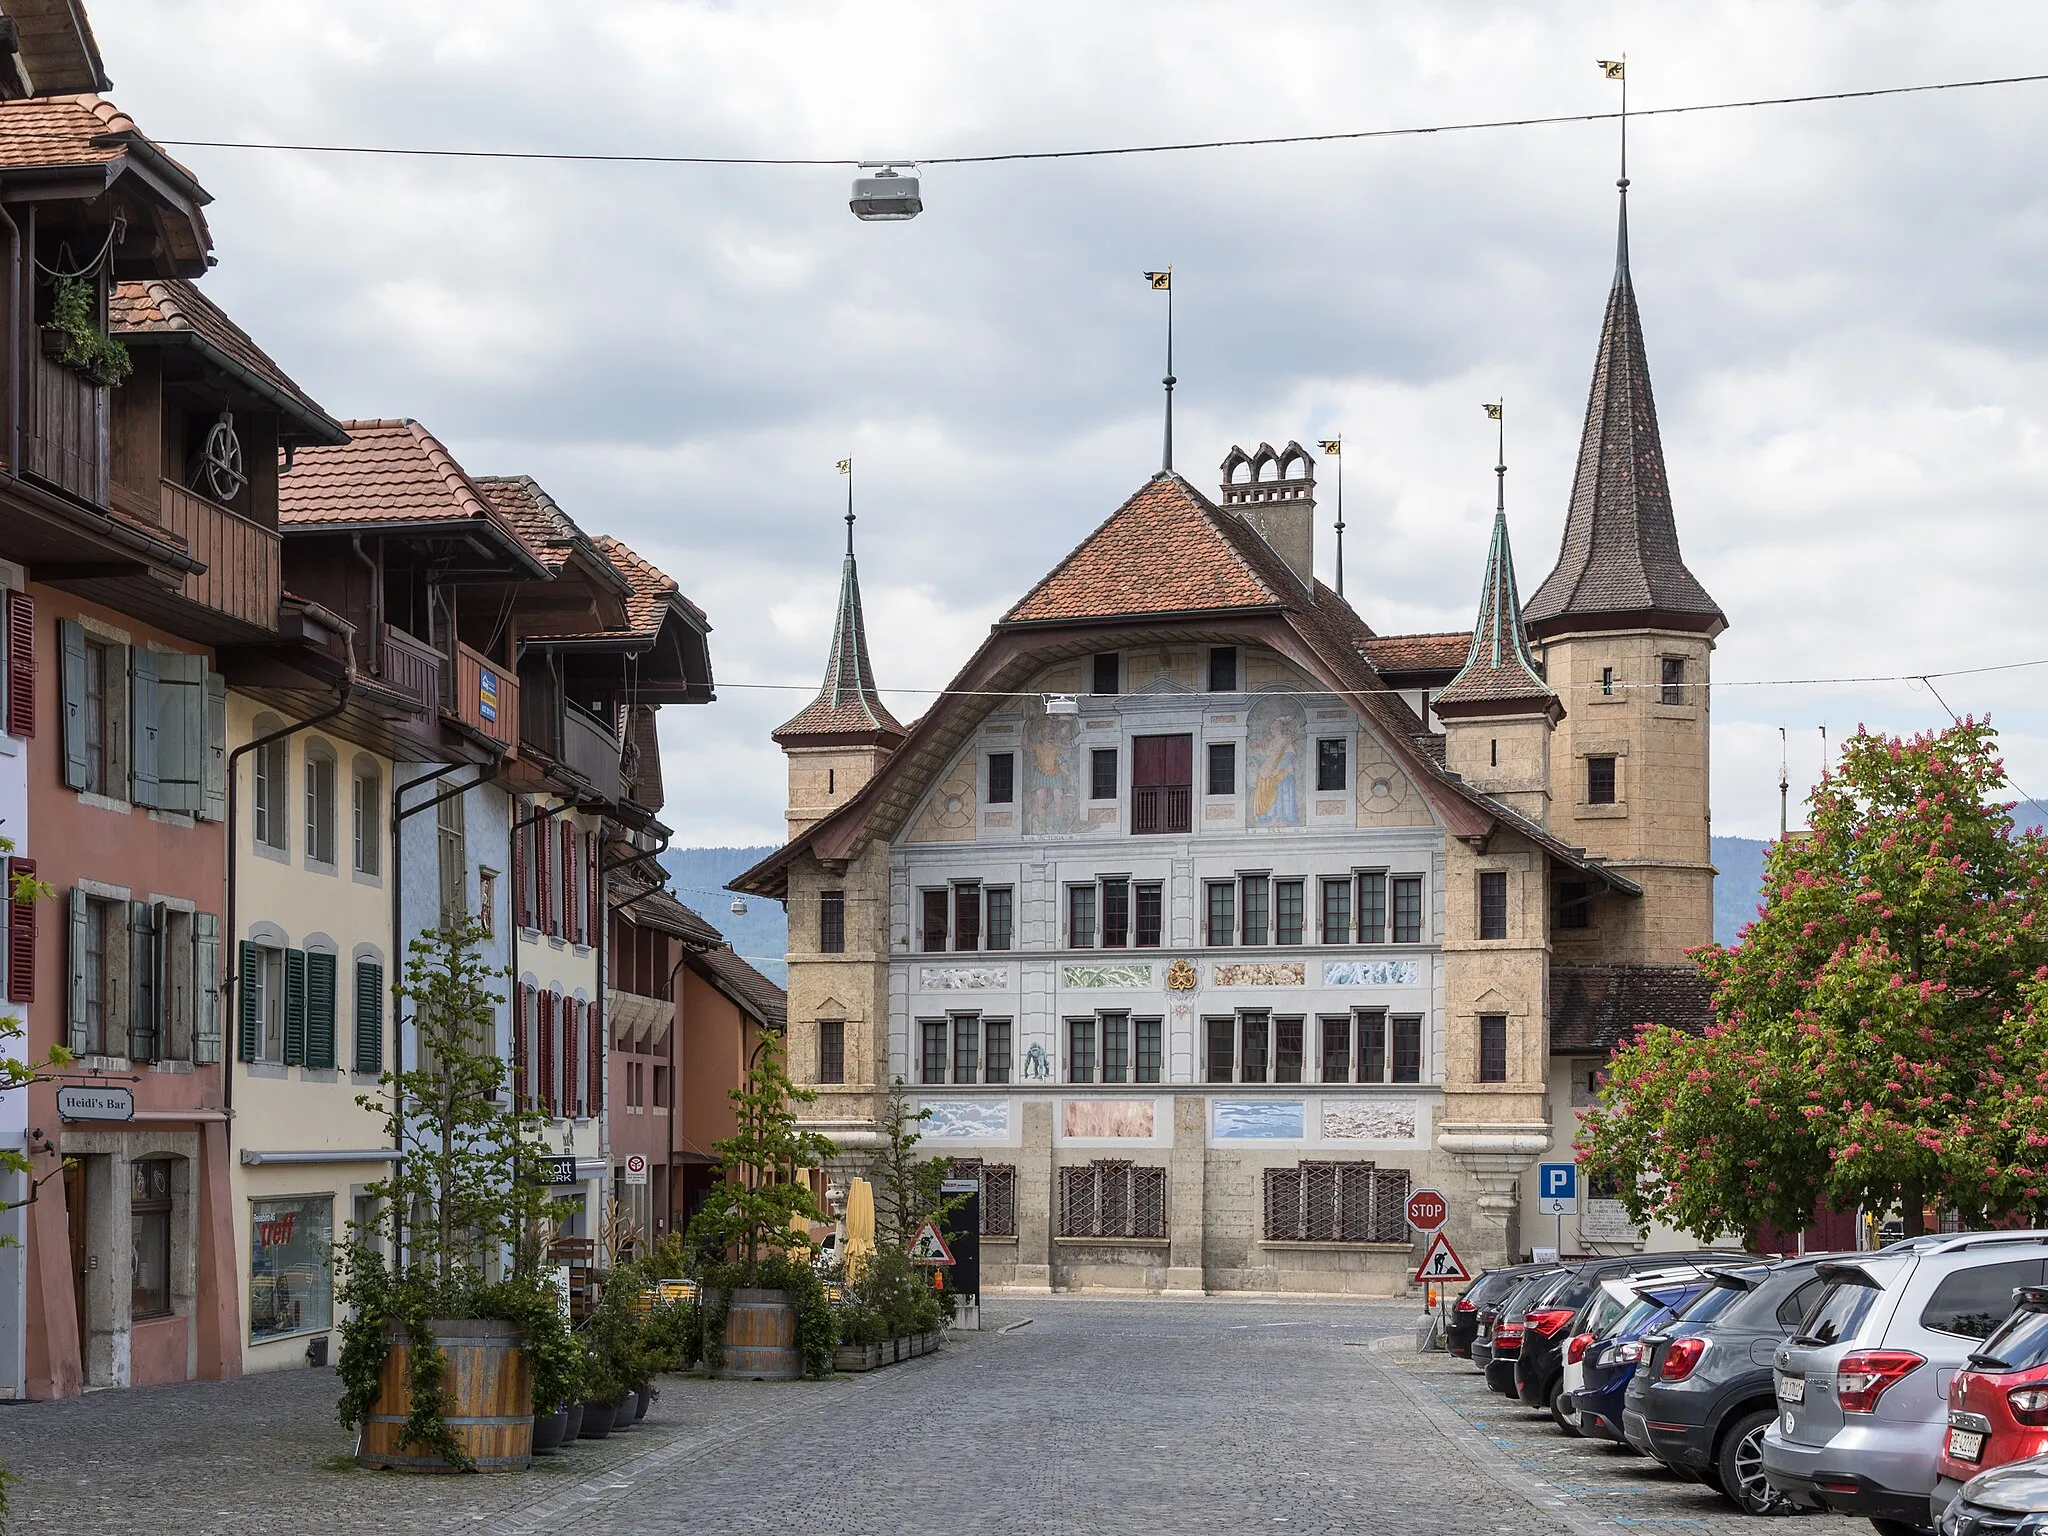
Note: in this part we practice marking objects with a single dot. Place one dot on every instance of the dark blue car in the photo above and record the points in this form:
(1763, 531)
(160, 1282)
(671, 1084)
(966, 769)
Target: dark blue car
(1611, 1360)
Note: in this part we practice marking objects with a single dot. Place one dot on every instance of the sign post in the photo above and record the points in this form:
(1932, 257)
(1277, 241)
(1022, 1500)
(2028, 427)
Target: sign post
(1427, 1212)
(1557, 1191)
(636, 1169)
(1440, 1262)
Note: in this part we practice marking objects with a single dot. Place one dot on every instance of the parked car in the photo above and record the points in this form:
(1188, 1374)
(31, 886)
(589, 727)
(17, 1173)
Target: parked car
(1594, 1322)
(1998, 1404)
(1490, 1310)
(2011, 1500)
(1611, 1361)
(1490, 1285)
(1539, 1373)
(1509, 1331)
(1704, 1396)
(1862, 1386)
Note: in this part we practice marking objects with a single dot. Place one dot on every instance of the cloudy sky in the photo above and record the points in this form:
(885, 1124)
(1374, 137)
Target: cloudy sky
(1843, 306)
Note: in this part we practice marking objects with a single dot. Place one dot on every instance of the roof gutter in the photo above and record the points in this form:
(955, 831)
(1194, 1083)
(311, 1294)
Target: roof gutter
(324, 427)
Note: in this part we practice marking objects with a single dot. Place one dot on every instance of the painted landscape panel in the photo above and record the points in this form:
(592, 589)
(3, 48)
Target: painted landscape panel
(1107, 1117)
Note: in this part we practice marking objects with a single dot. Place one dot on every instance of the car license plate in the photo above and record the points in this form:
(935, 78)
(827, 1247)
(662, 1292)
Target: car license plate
(1791, 1389)
(1965, 1444)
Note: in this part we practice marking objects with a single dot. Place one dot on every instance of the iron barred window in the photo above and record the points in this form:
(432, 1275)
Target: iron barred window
(1113, 1198)
(1331, 1202)
(1493, 1047)
(831, 1050)
(998, 1193)
(831, 922)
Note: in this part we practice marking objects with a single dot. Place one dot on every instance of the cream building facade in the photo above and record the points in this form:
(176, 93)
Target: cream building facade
(1207, 923)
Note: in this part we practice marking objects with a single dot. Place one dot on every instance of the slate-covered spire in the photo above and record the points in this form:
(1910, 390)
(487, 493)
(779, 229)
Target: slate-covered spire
(848, 707)
(1500, 675)
(1620, 566)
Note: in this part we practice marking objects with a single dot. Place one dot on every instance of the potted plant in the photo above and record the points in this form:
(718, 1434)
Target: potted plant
(445, 1347)
(762, 1308)
(73, 335)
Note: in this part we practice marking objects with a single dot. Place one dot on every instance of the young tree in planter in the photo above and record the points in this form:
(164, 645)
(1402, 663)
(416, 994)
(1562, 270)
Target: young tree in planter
(906, 1186)
(1879, 1037)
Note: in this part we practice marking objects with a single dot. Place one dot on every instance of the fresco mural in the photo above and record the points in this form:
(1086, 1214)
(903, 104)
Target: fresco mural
(970, 1118)
(1107, 1117)
(1052, 772)
(1275, 759)
(1258, 1119)
(1368, 1120)
(1372, 973)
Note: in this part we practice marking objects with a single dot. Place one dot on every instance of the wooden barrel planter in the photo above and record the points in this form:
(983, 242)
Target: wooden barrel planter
(760, 1337)
(490, 1388)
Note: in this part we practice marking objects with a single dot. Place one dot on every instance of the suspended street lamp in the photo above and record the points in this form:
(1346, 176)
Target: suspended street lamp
(886, 196)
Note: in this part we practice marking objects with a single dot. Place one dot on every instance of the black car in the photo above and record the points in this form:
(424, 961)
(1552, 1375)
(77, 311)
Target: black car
(1704, 1396)
(1510, 1330)
(1539, 1370)
(1491, 1285)
(1490, 1310)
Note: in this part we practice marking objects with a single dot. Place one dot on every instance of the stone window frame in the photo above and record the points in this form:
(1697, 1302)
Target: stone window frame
(1491, 922)
(1112, 1200)
(319, 752)
(1583, 807)
(366, 820)
(270, 792)
(1692, 686)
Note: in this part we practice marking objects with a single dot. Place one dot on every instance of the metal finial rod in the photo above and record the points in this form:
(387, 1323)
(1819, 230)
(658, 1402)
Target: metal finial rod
(1500, 467)
(1340, 514)
(1166, 457)
(849, 506)
(1784, 786)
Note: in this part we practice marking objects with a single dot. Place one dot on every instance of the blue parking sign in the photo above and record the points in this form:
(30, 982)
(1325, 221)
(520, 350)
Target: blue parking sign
(1557, 1187)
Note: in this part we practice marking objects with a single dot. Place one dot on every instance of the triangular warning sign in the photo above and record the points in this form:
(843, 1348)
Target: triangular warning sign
(1440, 1261)
(928, 1247)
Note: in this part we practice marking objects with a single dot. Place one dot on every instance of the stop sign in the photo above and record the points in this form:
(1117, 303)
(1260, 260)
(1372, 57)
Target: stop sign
(1427, 1210)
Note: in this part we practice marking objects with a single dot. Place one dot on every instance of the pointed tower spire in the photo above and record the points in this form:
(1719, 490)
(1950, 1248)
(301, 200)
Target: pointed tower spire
(1620, 567)
(1500, 677)
(848, 709)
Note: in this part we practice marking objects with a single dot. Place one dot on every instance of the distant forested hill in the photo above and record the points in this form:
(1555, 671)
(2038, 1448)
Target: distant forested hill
(761, 935)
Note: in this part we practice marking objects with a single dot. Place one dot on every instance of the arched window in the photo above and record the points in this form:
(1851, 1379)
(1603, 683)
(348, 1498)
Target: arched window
(366, 816)
(320, 802)
(269, 819)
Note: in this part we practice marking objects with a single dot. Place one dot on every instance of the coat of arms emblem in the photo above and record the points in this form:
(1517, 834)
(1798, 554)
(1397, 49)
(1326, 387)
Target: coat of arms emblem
(1180, 976)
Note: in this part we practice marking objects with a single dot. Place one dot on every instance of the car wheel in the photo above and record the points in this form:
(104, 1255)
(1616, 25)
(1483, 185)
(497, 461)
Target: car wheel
(1740, 1466)
(1568, 1422)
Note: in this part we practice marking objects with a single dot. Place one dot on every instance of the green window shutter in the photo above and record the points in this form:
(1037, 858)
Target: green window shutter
(142, 721)
(206, 987)
(71, 641)
(249, 1002)
(295, 1007)
(74, 1011)
(369, 1016)
(213, 797)
(143, 976)
(319, 1009)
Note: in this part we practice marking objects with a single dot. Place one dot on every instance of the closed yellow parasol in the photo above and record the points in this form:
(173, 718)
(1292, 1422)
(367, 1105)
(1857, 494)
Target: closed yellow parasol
(860, 1227)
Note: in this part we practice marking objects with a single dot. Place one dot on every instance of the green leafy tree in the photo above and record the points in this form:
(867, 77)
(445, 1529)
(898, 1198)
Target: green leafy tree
(907, 1193)
(1880, 1034)
(750, 1211)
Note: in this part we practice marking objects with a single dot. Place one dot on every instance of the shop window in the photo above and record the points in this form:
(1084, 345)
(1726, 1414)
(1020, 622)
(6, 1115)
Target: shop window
(291, 1283)
(150, 1218)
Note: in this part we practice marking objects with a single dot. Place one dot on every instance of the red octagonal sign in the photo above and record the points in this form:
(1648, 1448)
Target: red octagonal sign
(1427, 1210)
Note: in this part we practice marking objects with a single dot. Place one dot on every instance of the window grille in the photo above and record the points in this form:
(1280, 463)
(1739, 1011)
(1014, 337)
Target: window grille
(998, 1193)
(1336, 1202)
(1112, 1198)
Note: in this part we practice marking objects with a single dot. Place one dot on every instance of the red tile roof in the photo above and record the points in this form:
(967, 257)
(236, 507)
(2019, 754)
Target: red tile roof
(1166, 550)
(74, 130)
(1594, 1008)
(175, 308)
(388, 472)
(542, 526)
(1441, 652)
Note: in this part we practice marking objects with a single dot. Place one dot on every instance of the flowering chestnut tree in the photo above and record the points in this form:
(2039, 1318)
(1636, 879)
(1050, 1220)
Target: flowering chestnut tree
(1881, 1029)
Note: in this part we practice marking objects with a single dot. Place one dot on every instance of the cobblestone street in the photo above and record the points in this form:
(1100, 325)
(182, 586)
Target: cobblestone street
(1120, 1415)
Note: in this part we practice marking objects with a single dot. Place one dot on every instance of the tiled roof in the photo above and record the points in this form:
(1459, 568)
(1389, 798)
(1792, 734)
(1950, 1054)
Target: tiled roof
(1620, 559)
(174, 307)
(74, 130)
(543, 527)
(655, 908)
(848, 703)
(1594, 1008)
(653, 589)
(1163, 551)
(1499, 673)
(388, 472)
(744, 985)
(1445, 652)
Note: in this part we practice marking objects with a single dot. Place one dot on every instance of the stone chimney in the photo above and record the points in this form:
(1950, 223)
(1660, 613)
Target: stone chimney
(1276, 494)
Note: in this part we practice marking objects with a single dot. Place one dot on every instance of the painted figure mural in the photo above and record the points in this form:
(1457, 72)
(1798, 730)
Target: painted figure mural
(1273, 751)
(1052, 772)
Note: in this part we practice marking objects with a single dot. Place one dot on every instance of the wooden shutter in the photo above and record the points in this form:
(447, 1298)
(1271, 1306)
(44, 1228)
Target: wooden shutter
(145, 980)
(522, 866)
(543, 905)
(71, 641)
(593, 910)
(544, 1043)
(295, 1007)
(522, 1033)
(21, 935)
(369, 1016)
(142, 725)
(181, 730)
(74, 1007)
(213, 796)
(572, 1059)
(593, 1088)
(248, 1004)
(569, 879)
(319, 1009)
(206, 988)
(21, 664)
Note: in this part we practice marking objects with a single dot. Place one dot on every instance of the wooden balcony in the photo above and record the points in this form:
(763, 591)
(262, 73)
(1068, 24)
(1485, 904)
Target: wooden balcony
(409, 666)
(590, 751)
(1160, 808)
(486, 696)
(241, 578)
(64, 441)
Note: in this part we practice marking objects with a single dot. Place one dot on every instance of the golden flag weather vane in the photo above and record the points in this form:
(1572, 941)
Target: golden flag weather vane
(1492, 409)
(1614, 69)
(1333, 446)
(1161, 281)
(846, 466)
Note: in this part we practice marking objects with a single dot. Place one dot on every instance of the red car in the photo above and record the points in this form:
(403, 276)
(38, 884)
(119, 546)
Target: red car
(1998, 1402)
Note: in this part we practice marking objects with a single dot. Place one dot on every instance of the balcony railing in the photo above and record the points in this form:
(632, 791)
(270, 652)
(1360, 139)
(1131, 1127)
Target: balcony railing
(409, 666)
(65, 441)
(486, 696)
(1162, 808)
(590, 751)
(240, 578)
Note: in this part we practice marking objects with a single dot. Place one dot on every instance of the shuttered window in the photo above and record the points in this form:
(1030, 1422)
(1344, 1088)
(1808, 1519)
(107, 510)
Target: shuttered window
(451, 846)
(249, 1002)
(21, 667)
(571, 926)
(522, 1048)
(179, 726)
(522, 864)
(544, 1036)
(295, 1007)
(206, 1020)
(21, 934)
(369, 1053)
(543, 881)
(320, 973)
(213, 794)
(593, 1083)
(145, 978)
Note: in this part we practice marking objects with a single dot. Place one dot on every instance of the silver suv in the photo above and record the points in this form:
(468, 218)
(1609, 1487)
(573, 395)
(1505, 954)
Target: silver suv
(1862, 1387)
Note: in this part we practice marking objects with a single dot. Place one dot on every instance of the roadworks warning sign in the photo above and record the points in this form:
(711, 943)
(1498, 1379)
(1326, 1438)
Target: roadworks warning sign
(928, 1247)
